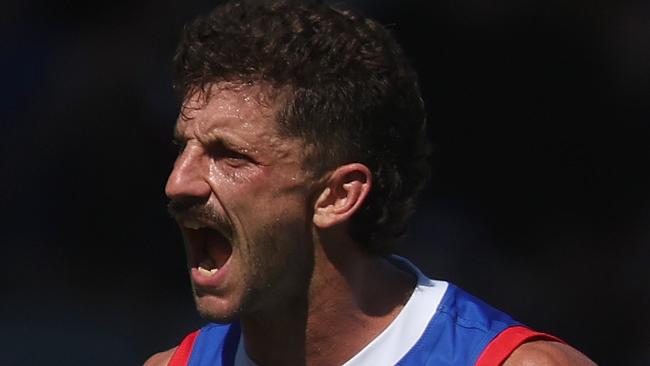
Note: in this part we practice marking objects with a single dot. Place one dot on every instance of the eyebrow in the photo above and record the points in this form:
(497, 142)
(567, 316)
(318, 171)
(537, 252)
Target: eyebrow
(216, 139)
(221, 141)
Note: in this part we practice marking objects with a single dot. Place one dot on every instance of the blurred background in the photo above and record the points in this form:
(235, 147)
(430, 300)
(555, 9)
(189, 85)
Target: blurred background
(540, 200)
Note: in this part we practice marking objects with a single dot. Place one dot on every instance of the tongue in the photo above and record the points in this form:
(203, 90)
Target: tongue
(217, 247)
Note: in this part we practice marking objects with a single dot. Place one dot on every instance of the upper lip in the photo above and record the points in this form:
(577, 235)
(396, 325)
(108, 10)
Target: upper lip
(193, 223)
(201, 217)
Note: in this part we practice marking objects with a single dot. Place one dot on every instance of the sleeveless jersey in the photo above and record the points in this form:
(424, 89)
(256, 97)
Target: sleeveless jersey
(461, 330)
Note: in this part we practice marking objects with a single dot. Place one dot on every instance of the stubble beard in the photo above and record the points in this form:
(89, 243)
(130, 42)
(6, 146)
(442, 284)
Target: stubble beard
(271, 294)
(208, 312)
(266, 285)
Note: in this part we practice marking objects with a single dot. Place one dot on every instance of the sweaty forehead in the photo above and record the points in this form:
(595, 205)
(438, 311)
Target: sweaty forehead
(229, 105)
(242, 118)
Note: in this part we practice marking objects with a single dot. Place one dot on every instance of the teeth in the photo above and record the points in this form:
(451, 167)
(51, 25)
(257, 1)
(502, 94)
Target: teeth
(208, 272)
(192, 224)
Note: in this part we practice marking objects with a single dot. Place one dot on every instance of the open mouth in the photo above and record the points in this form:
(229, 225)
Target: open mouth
(208, 249)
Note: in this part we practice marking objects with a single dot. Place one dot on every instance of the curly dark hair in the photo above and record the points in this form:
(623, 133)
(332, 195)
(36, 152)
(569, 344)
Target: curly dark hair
(353, 96)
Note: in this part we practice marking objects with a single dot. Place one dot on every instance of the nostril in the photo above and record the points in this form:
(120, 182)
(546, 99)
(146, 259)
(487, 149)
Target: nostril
(179, 206)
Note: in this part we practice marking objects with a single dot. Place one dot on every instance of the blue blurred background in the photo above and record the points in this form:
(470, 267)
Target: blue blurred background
(540, 200)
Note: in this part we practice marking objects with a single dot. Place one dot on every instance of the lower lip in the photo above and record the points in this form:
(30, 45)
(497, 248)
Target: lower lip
(209, 282)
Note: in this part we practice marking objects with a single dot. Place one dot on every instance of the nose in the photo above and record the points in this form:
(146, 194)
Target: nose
(188, 180)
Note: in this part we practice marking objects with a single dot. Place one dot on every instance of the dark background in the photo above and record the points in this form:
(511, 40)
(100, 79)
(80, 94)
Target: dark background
(539, 203)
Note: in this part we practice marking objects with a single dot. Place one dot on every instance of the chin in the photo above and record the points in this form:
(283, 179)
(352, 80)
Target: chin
(216, 310)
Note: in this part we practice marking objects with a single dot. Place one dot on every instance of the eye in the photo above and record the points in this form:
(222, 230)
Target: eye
(229, 156)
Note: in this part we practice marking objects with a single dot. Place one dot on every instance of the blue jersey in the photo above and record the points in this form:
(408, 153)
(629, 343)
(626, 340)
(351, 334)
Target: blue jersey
(441, 325)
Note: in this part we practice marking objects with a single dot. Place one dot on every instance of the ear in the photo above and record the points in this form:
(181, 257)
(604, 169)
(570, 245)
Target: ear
(345, 191)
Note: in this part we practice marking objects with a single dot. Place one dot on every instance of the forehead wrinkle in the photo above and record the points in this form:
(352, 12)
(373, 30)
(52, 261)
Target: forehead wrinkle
(243, 117)
(221, 135)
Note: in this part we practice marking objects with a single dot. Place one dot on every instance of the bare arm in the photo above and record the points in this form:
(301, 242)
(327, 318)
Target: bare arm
(160, 359)
(547, 353)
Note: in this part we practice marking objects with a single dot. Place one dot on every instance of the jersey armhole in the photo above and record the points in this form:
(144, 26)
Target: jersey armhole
(182, 354)
(500, 348)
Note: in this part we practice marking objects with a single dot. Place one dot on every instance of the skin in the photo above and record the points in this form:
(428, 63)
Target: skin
(293, 270)
(233, 165)
(547, 353)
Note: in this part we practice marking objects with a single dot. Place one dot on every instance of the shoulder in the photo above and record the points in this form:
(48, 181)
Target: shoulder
(160, 359)
(547, 353)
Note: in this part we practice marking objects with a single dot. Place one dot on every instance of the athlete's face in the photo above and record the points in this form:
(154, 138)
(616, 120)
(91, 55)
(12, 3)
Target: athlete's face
(240, 197)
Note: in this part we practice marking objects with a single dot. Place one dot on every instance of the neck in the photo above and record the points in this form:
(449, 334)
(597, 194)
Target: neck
(351, 299)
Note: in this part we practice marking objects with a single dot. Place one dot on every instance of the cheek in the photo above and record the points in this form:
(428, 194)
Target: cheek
(278, 249)
(275, 226)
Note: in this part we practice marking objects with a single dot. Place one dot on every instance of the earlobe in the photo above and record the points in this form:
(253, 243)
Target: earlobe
(344, 193)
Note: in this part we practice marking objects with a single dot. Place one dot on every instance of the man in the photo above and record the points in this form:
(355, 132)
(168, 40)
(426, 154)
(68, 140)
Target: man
(302, 150)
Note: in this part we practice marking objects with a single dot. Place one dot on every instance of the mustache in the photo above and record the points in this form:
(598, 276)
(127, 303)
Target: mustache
(182, 211)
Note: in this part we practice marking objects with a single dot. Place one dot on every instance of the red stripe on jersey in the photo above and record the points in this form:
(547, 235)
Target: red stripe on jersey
(182, 354)
(500, 348)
